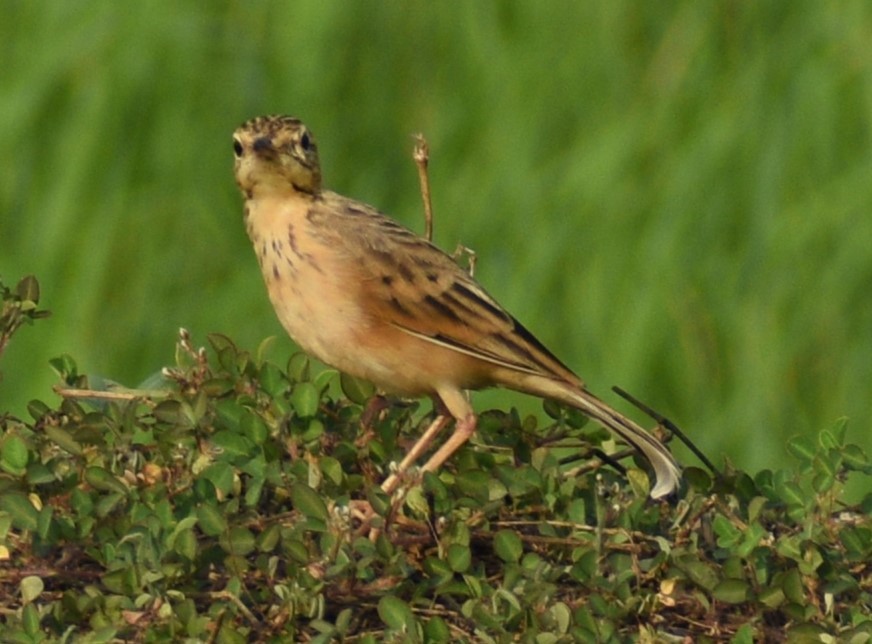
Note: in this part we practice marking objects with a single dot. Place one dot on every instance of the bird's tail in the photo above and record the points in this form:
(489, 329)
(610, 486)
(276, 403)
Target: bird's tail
(666, 469)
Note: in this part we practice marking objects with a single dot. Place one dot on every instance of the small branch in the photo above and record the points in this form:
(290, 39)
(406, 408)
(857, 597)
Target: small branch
(668, 424)
(462, 250)
(421, 155)
(131, 394)
(226, 594)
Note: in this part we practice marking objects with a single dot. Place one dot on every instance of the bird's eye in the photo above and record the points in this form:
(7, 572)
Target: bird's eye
(237, 148)
(305, 142)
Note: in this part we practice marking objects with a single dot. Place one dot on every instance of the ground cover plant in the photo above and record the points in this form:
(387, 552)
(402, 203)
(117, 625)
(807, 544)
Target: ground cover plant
(221, 502)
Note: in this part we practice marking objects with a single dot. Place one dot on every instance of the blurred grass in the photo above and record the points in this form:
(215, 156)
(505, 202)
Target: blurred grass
(674, 196)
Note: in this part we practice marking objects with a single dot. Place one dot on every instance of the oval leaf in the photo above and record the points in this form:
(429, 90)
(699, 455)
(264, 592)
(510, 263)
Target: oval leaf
(732, 591)
(239, 541)
(508, 546)
(24, 515)
(305, 399)
(309, 502)
(356, 390)
(395, 613)
(459, 557)
(103, 480)
(27, 289)
(13, 455)
(63, 439)
(211, 520)
(31, 587)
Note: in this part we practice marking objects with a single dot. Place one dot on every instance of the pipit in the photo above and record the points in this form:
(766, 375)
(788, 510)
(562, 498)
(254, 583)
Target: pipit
(371, 298)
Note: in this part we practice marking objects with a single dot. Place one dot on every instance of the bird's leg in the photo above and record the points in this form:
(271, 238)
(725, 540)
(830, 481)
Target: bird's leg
(463, 430)
(443, 418)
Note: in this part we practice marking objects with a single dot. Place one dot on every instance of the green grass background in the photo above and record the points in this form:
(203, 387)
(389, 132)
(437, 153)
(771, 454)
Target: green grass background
(674, 196)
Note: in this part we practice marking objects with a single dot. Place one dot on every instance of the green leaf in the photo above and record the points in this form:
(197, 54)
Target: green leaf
(552, 408)
(185, 544)
(802, 447)
(39, 474)
(857, 541)
(31, 587)
(395, 613)
(459, 557)
(438, 568)
(305, 399)
(356, 390)
(232, 444)
(474, 483)
(272, 380)
(855, 459)
(65, 367)
(183, 525)
(728, 534)
(822, 482)
(751, 538)
(27, 289)
(221, 475)
(238, 541)
(269, 538)
(170, 412)
(63, 439)
(254, 428)
(562, 616)
(732, 591)
(13, 455)
(44, 522)
(24, 515)
(791, 493)
(791, 584)
(297, 551)
(755, 506)
(212, 522)
(229, 635)
(378, 500)
(811, 559)
(772, 597)
(332, 469)
(309, 502)
(697, 478)
(744, 635)
(101, 479)
(436, 630)
(30, 622)
(508, 546)
(37, 409)
(698, 572)
(836, 435)
(298, 367)
(314, 431)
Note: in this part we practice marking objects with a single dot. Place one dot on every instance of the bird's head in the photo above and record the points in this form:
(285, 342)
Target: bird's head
(275, 154)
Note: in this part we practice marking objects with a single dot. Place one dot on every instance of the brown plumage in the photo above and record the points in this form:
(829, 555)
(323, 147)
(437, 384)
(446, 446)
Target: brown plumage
(360, 292)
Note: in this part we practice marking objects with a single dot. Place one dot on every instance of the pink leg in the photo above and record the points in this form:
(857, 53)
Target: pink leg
(462, 432)
(418, 448)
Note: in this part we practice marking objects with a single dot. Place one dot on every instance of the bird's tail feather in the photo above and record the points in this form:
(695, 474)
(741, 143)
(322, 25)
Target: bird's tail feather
(666, 469)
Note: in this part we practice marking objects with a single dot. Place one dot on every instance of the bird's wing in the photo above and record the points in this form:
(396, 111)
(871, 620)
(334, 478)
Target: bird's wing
(412, 285)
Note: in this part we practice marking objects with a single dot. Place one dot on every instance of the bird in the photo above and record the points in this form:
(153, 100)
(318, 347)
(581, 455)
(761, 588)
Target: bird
(362, 293)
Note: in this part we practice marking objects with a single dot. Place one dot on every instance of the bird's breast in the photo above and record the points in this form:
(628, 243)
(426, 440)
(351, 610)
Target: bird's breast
(309, 280)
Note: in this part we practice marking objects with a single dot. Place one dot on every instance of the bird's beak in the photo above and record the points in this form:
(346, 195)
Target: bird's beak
(263, 146)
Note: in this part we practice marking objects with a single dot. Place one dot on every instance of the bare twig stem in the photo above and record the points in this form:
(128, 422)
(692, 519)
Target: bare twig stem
(421, 155)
